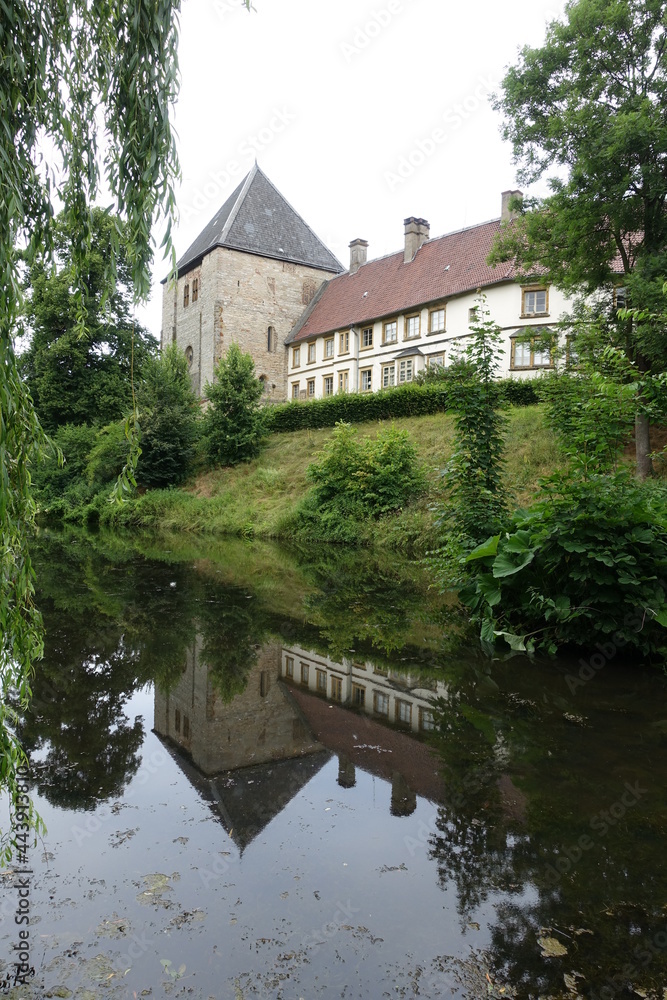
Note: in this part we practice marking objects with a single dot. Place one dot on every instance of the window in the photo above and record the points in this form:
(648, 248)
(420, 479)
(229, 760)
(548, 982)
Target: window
(344, 344)
(534, 302)
(321, 681)
(412, 327)
(358, 695)
(405, 370)
(271, 340)
(390, 332)
(296, 357)
(189, 355)
(404, 712)
(263, 683)
(380, 671)
(195, 289)
(311, 388)
(312, 348)
(336, 689)
(388, 375)
(186, 727)
(473, 315)
(177, 720)
(436, 360)
(295, 390)
(289, 666)
(366, 379)
(305, 671)
(329, 348)
(381, 703)
(328, 384)
(186, 294)
(620, 297)
(426, 720)
(367, 337)
(436, 320)
(343, 381)
(531, 353)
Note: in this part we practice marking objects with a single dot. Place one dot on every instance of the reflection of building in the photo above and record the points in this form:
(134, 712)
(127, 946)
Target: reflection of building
(389, 708)
(249, 756)
(261, 724)
(404, 700)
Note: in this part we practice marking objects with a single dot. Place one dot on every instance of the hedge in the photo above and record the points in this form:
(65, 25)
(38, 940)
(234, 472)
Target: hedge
(410, 400)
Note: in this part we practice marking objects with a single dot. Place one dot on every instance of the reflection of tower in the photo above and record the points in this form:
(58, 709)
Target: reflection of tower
(346, 772)
(403, 799)
(259, 724)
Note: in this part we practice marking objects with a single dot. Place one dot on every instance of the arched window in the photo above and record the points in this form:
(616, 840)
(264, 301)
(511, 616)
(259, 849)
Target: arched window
(271, 340)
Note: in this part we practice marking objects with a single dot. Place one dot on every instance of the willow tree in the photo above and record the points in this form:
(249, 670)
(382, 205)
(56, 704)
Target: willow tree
(587, 110)
(86, 89)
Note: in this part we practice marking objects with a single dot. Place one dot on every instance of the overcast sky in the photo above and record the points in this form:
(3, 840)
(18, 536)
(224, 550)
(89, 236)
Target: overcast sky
(361, 114)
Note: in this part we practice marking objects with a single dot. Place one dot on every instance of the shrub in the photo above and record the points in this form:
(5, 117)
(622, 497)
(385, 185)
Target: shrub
(168, 417)
(412, 400)
(354, 481)
(234, 421)
(586, 564)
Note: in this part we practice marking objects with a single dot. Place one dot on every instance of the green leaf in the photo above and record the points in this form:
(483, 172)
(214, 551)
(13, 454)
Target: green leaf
(516, 642)
(487, 548)
(504, 566)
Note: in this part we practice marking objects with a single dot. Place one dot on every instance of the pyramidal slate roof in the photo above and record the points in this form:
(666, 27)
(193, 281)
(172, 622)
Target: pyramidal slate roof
(257, 219)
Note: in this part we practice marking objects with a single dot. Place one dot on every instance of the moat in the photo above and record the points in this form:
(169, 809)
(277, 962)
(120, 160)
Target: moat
(271, 773)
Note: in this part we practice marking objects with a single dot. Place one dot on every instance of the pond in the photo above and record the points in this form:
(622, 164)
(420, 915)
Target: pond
(276, 773)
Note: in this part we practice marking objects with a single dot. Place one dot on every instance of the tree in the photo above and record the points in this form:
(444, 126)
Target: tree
(169, 415)
(591, 103)
(75, 379)
(73, 73)
(234, 423)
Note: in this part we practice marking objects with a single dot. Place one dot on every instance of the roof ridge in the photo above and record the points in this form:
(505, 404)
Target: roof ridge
(250, 176)
(298, 215)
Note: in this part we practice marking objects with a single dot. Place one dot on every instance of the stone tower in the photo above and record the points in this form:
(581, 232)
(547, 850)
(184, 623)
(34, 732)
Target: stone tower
(246, 279)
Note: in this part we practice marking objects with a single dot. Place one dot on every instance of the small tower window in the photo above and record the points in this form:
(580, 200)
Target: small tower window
(186, 294)
(271, 340)
(195, 289)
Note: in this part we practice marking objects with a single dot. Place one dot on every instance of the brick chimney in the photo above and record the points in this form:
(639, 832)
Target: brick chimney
(505, 214)
(358, 250)
(416, 234)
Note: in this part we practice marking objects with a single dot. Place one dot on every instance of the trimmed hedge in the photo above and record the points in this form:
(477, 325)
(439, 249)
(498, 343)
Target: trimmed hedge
(411, 400)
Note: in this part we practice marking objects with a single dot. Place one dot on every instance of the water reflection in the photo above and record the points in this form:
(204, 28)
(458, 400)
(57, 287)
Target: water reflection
(530, 814)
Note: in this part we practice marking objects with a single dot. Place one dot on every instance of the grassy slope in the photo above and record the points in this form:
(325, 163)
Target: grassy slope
(259, 498)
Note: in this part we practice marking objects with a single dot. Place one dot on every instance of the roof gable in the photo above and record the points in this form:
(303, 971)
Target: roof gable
(257, 219)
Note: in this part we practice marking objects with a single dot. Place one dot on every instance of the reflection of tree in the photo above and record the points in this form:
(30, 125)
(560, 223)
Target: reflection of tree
(361, 602)
(232, 628)
(523, 783)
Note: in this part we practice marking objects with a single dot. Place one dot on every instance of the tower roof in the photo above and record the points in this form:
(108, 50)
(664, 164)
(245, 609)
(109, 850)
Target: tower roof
(257, 219)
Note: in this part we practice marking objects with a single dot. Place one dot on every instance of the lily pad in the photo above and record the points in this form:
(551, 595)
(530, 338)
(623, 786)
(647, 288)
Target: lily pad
(551, 948)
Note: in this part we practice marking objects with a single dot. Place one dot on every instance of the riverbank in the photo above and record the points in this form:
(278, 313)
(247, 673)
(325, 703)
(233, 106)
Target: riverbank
(261, 498)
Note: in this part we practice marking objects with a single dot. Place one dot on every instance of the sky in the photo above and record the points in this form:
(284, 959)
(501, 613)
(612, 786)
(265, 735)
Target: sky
(360, 113)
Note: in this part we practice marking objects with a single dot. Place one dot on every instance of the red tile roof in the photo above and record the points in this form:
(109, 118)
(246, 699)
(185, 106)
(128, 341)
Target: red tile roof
(442, 267)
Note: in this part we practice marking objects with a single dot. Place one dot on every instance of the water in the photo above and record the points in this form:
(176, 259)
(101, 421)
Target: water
(276, 774)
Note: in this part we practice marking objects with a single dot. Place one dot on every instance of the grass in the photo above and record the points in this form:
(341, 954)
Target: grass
(259, 498)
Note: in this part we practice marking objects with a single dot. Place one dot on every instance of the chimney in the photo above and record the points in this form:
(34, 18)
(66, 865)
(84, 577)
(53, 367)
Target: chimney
(416, 234)
(505, 214)
(358, 250)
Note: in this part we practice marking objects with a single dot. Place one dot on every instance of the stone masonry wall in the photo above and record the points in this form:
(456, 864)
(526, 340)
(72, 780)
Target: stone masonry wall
(240, 296)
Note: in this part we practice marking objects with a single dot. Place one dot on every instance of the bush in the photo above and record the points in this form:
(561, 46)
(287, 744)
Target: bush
(412, 400)
(168, 417)
(354, 481)
(234, 421)
(586, 564)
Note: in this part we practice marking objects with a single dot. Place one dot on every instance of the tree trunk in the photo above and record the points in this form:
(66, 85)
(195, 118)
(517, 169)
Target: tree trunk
(643, 446)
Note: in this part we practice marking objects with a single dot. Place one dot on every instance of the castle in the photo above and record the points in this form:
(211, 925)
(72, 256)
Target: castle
(258, 275)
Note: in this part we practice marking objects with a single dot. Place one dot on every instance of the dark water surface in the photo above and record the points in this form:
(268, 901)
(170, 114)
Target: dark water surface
(273, 774)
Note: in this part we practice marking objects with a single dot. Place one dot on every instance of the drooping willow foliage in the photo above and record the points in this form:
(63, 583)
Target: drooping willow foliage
(86, 90)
